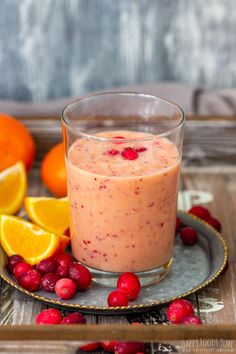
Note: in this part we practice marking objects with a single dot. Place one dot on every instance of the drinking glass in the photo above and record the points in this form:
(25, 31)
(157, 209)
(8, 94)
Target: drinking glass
(123, 156)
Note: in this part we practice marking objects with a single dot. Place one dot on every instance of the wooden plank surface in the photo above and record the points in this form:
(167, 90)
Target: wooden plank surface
(213, 144)
(215, 304)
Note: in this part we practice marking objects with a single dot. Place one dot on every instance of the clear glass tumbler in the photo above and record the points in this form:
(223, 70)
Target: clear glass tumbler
(123, 156)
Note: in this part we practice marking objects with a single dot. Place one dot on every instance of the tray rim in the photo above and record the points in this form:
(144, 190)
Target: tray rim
(124, 309)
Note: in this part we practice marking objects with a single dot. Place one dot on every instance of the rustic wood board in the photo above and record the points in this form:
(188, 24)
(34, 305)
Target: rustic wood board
(216, 303)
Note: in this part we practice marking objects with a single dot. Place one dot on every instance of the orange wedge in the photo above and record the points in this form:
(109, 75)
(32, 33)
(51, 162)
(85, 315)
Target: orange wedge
(13, 183)
(52, 214)
(19, 236)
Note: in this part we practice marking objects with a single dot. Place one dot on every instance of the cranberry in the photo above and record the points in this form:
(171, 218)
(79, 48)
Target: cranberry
(113, 152)
(30, 280)
(141, 149)
(65, 288)
(74, 318)
(62, 271)
(47, 265)
(12, 261)
(200, 212)
(191, 320)
(130, 348)
(49, 281)
(109, 345)
(188, 236)
(81, 275)
(214, 223)
(90, 347)
(129, 154)
(67, 232)
(179, 309)
(117, 298)
(130, 284)
(63, 259)
(21, 268)
(49, 316)
(177, 225)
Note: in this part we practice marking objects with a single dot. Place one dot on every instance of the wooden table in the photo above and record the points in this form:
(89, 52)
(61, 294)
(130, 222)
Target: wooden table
(208, 165)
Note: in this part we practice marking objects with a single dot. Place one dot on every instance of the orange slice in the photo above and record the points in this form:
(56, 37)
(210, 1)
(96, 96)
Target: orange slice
(52, 214)
(13, 183)
(19, 236)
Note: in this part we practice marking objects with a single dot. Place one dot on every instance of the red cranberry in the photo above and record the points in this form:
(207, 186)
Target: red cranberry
(188, 236)
(130, 348)
(191, 320)
(200, 212)
(117, 298)
(21, 268)
(81, 275)
(63, 259)
(113, 152)
(214, 223)
(49, 316)
(65, 288)
(141, 149)
(179, 309)
(130, 284)
(74, 318)
(47, 265)
(67, 232)
(90, 347)
(178, 225)
(62, 271)
(129, 154)
(109, 345)
(30, 280)
(12, 262)
(49, 281)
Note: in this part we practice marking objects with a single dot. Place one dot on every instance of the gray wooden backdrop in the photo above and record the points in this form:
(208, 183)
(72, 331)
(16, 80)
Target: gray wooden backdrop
(57, 48)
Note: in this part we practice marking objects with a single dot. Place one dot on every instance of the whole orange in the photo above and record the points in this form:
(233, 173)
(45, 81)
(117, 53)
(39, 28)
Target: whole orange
(53, 171)
(16, 143)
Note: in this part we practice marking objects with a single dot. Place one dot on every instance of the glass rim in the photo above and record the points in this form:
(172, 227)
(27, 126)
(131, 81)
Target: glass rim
(124, 140)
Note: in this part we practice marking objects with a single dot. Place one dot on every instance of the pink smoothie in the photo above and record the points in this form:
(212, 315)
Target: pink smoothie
(123, 211)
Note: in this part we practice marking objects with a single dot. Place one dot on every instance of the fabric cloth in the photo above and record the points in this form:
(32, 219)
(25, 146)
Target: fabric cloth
(193, 100)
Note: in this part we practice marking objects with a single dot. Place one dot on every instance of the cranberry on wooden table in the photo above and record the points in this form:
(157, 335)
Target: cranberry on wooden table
(74, 318)
(109, 345)
(214, 223)
(90, 347)
(130, 348)
(49, 316)
(179, 309)
(191, 320)
(200, 211)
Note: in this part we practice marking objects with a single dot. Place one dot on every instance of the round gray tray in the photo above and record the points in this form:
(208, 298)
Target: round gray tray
(193, 268)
